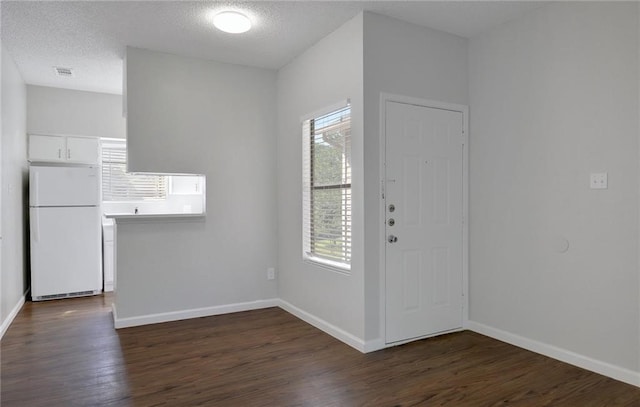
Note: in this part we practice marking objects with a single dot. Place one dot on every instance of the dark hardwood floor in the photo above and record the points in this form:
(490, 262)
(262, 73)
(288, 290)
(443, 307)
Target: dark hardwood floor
(66, 353)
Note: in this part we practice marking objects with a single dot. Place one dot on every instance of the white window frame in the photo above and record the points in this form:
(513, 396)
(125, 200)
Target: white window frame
(347, 215)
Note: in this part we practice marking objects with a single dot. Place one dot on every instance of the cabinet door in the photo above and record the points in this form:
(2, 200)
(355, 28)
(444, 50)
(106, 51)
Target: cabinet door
(46, 148)
(186, 185)
(82, 150)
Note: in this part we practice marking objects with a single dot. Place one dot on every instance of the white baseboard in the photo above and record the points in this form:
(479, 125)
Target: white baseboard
(323, 325)
(114, 314)
(190, 313)
(374, 345)
(12, 315)
(597, 366)
(603, 368)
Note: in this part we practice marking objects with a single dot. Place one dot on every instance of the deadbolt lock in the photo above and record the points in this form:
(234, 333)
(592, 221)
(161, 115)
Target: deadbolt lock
(391, 222)
(392, 207)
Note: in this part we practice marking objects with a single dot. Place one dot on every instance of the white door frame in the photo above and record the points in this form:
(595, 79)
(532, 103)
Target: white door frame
(387, 97)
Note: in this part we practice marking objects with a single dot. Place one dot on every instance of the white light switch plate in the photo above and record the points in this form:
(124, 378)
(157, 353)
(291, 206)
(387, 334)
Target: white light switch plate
(598, 180)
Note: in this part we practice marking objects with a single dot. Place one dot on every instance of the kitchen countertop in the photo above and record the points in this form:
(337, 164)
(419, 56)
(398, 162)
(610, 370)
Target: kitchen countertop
(151, 216)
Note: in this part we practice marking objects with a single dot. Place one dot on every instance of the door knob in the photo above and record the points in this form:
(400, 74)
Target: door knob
(392, 239)
(391, 222)
(392, 208)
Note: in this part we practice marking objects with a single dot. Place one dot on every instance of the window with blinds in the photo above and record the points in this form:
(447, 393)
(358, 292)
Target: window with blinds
(118, 185)
(327, 188)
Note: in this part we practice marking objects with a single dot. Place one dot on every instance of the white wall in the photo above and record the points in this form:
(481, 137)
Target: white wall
(554, 97)
(13, 271)
(410, 60)
(65, 111)
(325, 74)
(196, 116)
(191, 116)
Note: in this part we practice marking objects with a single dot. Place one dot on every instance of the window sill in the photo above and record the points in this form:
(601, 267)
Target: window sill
(329, 265)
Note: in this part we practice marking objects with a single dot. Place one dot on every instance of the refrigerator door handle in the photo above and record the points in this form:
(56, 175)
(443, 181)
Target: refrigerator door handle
(36, 188)
(35, 226)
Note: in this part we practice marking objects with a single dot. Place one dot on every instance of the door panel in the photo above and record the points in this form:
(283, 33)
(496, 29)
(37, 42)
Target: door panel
(411, 264)
(441, 274)
(423, 171)
(412, 190)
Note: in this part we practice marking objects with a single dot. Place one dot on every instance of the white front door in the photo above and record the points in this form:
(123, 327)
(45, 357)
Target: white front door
(424, 231)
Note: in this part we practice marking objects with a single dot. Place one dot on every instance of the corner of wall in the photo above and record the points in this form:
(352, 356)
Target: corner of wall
(14, 245)
(6, 322)
(409, 60)
(563, 355)
(306, 85)
(529, 185)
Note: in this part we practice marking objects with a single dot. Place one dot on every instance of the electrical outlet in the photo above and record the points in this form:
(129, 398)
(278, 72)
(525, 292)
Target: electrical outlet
(598, 180)
(271, 273)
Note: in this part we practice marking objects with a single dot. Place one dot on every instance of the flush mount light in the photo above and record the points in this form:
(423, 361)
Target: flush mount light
(232, 22)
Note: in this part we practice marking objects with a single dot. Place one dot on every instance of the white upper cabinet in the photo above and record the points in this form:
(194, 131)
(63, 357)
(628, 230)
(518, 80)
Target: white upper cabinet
(47, 148)
(69, 149)
(83, 149)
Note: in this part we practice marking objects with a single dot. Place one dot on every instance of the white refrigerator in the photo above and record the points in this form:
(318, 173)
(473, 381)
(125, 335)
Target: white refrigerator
(66, 239)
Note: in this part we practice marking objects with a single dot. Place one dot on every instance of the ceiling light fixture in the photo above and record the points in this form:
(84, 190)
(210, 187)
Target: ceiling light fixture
(232, 22)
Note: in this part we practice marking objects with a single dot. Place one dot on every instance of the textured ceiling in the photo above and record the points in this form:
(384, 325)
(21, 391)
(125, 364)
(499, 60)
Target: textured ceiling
(91, 36)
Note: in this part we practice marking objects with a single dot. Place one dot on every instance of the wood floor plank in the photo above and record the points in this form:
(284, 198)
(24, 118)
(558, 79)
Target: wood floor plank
(66, 353)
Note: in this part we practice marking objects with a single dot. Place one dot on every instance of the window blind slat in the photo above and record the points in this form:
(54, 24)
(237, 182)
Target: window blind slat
(119, 185)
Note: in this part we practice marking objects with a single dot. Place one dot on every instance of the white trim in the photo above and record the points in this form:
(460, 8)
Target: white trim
(434, 104)
(67, 135)
(12, 315)
(325, 110)
(563, 355)
(325, 326)
(638, 225)
(342, 265)
(379, 343)
(465, 215)
(374, 345)
(382, 219)
(191, 313)
(388, 97)
(340, 268)
(114, 314)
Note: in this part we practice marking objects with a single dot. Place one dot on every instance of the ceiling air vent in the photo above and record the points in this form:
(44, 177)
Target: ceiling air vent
(64, 72)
